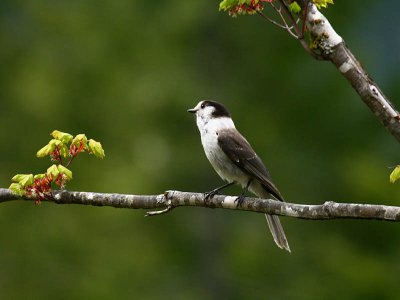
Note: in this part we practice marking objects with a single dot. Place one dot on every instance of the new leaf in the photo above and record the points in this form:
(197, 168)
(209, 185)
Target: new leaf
(395, 174)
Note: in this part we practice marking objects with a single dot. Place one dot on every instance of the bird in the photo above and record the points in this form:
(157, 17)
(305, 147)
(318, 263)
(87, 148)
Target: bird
(235, 161)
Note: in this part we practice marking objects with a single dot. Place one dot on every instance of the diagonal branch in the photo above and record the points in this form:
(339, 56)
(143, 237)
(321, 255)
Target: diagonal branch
(332, 47)
(173, 199)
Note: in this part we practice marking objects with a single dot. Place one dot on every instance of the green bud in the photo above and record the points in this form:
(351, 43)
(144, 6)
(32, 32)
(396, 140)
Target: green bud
(322, 3)
(55, 143)
(62, 136)
(294, 7)
(228, 4)
(46, 150)
(80, 138)
(18, 177)
(17, 189)
(49, 148)
(63, 170)
(96, 149)
(53, 172)
(23, 179)
(39, 176)
(64, 151)
(395, 174)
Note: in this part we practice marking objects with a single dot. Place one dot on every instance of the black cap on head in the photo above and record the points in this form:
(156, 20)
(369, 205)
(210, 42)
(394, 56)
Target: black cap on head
(220, 110)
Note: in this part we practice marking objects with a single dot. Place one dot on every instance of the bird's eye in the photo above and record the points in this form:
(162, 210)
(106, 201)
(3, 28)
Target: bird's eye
(202, 105)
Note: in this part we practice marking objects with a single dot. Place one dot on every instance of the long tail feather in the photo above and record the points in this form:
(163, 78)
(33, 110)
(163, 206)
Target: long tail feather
(277, 231)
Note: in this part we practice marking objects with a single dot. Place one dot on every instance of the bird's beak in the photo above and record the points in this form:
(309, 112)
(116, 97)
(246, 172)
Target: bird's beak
(192, 110)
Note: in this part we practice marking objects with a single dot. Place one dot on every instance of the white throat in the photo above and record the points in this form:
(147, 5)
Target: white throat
(212, 125)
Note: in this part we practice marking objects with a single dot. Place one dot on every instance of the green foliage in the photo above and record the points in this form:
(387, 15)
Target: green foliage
(96, 149)
(242, 7)
(65, 171)
(322, 3)
(80, 139)
(62, 136)
(62, 146)
(23, 179)
(294, 7)
(20, 182)
(39, 176)
(16, 189)
(48, 149)
(395, 175)
(53, 171)
(227, 4)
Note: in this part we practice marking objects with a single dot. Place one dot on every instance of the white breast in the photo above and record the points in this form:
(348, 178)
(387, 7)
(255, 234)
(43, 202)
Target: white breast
(222, 164)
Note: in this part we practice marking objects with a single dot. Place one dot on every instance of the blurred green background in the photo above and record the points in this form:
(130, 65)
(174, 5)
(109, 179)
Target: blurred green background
(124, 72)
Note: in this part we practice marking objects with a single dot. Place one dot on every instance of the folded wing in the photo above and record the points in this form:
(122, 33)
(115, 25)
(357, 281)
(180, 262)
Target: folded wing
(238, 149)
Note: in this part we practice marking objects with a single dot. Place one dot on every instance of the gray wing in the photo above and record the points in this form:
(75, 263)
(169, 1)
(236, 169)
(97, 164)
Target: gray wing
(238, 149)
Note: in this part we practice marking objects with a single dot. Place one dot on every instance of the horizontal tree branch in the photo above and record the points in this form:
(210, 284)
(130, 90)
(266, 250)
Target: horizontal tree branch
(172, 199)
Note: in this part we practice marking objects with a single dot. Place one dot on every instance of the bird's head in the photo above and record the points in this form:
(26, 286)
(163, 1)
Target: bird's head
(207, 110)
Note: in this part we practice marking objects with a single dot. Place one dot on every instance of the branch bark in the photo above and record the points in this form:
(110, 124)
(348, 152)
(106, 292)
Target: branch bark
(173, 199)
(333, 48)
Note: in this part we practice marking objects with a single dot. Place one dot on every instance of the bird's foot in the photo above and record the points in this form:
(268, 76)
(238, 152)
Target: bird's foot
(211, 194)
(239, 200)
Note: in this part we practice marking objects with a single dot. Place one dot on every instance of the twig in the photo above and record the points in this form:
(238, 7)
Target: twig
(159, 212)
(305, 11)
(272, 21)
(285, 26)
(289, 14)
(299, 35)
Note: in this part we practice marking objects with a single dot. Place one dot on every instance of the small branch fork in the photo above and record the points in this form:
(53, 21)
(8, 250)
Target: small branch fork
(172, 199)
(292, 26)
(284, 25)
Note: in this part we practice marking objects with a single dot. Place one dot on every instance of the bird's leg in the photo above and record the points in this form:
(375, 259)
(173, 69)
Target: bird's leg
(240, 199)
(212, 193)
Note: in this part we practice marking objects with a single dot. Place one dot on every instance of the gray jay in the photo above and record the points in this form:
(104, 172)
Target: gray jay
(235, 161)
